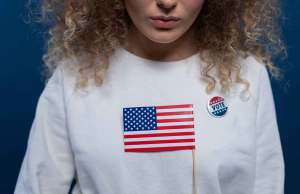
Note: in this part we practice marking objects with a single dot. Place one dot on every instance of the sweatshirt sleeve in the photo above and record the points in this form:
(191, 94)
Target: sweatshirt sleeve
(47, 166)
(270, 170)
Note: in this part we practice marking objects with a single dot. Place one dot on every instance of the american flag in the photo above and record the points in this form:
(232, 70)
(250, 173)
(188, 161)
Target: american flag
(159, 128)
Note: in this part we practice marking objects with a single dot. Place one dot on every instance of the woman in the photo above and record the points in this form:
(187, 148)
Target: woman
(180, 99)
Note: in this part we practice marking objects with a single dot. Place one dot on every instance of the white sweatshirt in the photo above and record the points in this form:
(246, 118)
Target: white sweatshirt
(80, 134)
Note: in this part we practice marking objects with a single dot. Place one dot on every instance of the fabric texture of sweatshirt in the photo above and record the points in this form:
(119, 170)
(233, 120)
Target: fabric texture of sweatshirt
(79, 134)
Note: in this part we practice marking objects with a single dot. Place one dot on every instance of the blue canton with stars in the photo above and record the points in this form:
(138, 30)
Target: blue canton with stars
(139, 118)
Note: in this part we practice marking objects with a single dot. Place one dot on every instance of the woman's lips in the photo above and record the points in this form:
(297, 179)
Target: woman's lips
(164, 23)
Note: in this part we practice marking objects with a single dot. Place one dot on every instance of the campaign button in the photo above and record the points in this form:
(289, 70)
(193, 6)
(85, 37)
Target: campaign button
(217, 106)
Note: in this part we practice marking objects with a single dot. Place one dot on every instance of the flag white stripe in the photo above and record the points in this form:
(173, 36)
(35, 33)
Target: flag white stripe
(175, 123)
(160, 145)
(174, 109)
(158, 131)
(174, 116)
(159, 138)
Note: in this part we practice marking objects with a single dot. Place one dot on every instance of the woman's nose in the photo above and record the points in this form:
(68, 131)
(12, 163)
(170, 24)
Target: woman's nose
(166, 4)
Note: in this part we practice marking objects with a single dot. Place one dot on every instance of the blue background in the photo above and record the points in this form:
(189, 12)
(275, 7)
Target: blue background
(21, 84)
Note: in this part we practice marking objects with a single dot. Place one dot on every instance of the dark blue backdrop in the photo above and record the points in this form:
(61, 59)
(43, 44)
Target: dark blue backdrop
(21, 84)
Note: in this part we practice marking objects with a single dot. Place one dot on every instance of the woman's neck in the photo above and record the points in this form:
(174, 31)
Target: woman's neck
(140, 45)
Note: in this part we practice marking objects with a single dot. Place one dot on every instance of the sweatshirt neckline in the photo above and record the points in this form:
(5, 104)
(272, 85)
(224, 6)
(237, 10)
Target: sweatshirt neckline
(135, 57)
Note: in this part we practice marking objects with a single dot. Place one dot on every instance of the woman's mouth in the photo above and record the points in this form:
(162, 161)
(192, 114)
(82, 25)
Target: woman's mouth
(164, 22)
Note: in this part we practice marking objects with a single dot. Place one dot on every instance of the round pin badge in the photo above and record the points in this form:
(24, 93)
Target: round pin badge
(217, 106)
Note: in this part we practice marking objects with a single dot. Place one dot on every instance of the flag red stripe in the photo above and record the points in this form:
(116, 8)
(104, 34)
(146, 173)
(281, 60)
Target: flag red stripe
(159, 141)
(159, 134)
(174, 113)
(174, 120)
(159, 149)
(175, 127)
(175, 106)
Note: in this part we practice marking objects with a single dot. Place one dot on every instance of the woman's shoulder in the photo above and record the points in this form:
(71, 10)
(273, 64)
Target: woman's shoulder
(69, 68)
(63, 77)
(251, 67)
(254, 71)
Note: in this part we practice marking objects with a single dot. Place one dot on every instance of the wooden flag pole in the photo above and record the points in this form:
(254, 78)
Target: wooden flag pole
(194, 174)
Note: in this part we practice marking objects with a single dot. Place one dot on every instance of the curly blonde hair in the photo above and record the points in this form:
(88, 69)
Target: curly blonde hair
(225, 29)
